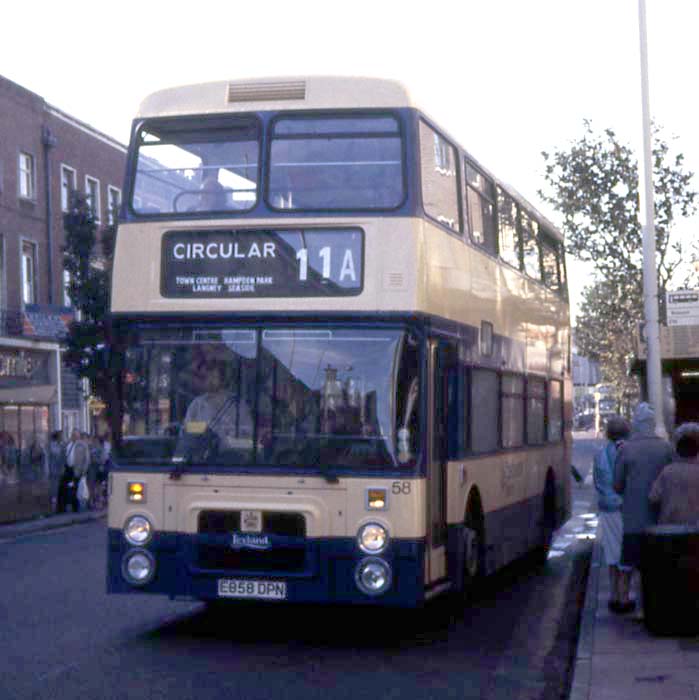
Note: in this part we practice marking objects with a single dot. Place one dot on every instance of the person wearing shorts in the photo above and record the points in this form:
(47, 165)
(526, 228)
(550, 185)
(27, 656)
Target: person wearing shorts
(610, 528)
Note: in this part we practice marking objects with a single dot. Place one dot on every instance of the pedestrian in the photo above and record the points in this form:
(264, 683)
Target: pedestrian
(639, 461)
(106, 450)
(36, 457)
(83, 466)
(4, 466)
(57, 463)
(77, 463)
(100, 458)
(609, 503)
(95, 467)
(10, 458)
(676, 490)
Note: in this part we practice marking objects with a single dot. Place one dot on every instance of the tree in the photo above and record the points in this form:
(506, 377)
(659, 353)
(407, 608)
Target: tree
(89, 290)
(611, 307)
(594, 184)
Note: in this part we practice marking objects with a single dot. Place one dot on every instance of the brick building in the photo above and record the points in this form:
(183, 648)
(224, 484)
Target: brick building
(44, 155)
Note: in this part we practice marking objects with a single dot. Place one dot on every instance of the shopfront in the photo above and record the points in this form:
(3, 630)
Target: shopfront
(29, 410)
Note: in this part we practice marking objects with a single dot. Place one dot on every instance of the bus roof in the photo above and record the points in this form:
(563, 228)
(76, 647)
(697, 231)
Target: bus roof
(276, 93)
(299, 93)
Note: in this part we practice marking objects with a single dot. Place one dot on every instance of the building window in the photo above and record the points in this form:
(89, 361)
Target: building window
(66, 283)
(68, 186)
(28, 272)
(92, 195)
(439, 184)
(113, 204)
(26, 176)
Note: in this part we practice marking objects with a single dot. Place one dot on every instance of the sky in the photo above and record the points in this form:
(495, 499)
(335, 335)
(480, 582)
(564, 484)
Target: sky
(507, 79)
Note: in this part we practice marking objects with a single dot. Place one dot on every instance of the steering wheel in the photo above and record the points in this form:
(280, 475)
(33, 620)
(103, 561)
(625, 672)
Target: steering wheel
(179, 195)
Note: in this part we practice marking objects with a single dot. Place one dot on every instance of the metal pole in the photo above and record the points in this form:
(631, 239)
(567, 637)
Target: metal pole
(650, 275)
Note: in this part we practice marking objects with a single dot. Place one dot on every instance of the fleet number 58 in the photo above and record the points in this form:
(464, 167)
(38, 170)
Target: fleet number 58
(400, 488)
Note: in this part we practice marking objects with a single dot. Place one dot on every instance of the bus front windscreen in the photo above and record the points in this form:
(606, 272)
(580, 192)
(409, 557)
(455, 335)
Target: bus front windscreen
(298, 398)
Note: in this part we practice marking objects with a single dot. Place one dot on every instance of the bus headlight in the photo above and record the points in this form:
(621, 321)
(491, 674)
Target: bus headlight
(138, 530)
(373, 576)
(138, 567)
(372, 538)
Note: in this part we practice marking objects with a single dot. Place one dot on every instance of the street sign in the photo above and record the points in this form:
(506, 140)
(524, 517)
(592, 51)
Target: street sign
(676, 342)
(683, 307)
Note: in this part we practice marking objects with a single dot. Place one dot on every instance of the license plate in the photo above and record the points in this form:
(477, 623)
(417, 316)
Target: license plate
(248, 588)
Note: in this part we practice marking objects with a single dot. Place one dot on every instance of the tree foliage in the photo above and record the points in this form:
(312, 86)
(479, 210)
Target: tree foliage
(593, 183)
(612, 308)
(88, 263)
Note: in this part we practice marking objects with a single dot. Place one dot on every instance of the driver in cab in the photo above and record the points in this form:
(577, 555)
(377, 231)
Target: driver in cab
(220, 408)
(212, 196)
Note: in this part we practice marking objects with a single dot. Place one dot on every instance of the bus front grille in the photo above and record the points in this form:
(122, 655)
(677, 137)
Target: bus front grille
(221, 556)
(223, 522)
(282, 559)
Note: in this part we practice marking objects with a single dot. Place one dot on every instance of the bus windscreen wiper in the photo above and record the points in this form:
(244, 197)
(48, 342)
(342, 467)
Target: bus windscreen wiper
(328, 474)
(206, 442)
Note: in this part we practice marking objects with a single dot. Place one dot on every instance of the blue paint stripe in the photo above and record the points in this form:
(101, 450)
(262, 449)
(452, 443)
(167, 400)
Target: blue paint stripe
(328, 576)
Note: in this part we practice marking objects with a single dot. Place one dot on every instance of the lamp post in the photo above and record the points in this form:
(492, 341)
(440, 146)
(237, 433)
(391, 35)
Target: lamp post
(647, 212)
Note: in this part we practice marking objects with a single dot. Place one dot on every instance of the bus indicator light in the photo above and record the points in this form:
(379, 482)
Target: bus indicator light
(376, 499)
(136, 492)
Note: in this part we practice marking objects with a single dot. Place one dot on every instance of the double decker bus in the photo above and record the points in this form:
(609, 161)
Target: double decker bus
(345, 352)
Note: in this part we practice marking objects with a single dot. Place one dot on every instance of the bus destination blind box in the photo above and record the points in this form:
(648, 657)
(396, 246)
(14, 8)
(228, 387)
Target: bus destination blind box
(262, 263)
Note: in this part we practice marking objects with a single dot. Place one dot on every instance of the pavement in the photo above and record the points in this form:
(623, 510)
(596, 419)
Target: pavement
(48, 522)
(618, 659)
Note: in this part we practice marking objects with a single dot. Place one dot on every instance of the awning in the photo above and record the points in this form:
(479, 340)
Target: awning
(41, 394)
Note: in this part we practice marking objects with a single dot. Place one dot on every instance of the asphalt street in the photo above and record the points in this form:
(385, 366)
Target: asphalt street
(62, 637)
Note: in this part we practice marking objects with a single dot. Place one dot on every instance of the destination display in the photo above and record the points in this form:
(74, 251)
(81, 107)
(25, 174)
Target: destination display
(262, 263)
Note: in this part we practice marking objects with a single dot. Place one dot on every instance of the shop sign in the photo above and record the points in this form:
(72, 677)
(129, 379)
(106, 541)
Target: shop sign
(22, 367)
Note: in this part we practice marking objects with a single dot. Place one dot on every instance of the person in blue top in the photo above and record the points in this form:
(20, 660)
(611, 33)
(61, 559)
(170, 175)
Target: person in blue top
(609, 502)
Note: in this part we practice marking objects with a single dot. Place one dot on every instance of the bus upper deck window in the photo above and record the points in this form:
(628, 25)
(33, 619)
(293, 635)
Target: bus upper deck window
(210, 167)
(336, 163)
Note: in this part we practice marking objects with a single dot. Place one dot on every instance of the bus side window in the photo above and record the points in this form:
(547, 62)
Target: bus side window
(479, 201)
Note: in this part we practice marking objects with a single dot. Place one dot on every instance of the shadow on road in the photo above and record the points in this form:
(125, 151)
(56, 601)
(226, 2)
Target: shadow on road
(485, 623)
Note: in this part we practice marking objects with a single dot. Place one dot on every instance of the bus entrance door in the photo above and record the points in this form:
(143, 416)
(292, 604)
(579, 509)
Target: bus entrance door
(440, 360)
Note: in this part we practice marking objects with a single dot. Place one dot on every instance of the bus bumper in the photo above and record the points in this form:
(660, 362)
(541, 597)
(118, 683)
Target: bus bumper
(323, 571)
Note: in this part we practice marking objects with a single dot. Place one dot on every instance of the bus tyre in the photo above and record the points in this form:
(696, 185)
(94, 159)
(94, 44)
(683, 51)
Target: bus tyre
(548, 523)
(474, 554)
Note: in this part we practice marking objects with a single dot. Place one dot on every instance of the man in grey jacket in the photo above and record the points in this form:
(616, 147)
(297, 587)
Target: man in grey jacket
(639, 461)
(78, 457)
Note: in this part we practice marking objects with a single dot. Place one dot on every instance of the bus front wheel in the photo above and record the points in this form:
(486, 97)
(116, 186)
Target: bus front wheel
(547, 523)
(474, 552)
